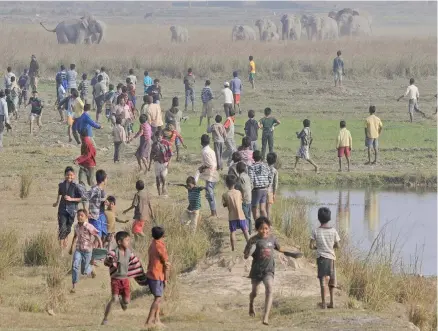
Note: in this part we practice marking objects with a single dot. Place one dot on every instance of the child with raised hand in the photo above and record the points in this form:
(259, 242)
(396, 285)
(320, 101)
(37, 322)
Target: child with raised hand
(157, 274)
(191, 215)
(143, 212)
(261, 247)
(271, 159)
(123, 264)
(306, 141)
(324, 240)
(218, 134)
(83, 240)
(236, 217)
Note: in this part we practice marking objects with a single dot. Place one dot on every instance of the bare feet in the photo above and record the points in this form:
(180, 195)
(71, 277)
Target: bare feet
(339, 170)
(330, 306)
(251, 311)
(150, 326)
(73, 291)
(265, 322)
(316, 169)
(93, 274)
(322, 305)
(104, 322)
(367, 163)
(374, 162)
(160, 325)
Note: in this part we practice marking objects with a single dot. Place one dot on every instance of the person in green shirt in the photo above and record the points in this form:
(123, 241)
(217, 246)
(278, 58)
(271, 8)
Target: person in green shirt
(267, 124)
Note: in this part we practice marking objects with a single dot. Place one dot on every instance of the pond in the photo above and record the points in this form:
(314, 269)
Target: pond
(408, 218)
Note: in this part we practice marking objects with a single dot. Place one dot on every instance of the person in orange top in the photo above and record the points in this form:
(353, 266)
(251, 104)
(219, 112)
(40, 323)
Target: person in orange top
(157, 274)
(174, 138)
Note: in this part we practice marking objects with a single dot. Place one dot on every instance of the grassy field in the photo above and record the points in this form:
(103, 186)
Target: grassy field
(293, 79)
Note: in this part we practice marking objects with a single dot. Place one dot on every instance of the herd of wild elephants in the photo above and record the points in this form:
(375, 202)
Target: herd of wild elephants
(346, 22)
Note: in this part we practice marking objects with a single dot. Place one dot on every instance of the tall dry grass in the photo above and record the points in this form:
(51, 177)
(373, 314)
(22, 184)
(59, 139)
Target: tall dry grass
(211, 54)
(41, 249)
(10, 251)
(378, 278)
(25, 185)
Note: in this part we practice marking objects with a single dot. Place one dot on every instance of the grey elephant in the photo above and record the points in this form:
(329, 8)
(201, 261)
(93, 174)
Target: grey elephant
(291, 27)
(76, 31)
(329, 29)
(243, 32)
(320, 27)
(352, 22)
(312, 25)
(179, 34)
(270, 36)
(97, 36)
(267, 25)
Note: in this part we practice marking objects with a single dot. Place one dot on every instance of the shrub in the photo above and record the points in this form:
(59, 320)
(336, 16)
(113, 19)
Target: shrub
(41, 249)
(25, 185)
(10, 255)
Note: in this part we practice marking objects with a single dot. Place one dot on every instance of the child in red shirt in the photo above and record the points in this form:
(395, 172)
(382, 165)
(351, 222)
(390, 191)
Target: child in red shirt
(87, 160)
(174, 138)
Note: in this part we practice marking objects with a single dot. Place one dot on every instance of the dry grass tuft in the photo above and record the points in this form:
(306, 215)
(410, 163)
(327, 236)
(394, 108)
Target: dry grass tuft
(41, 249)
(11, 254)
(57, 269)
(25, 185)
(29, 307)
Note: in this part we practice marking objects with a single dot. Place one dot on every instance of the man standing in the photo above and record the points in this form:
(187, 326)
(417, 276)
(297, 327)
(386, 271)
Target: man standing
(414, 95)
(228, 99)
(189, 85)
(338, 69)
(208, 172)
(4, 116)
(236, 88)
(34, 70)
(373, 128)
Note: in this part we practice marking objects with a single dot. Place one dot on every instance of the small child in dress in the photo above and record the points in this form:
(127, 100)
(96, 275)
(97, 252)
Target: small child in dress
(324, 240)
(218, 134)
(119, 138)
(83, 240)
(143, 213)
(271, 159)
(236, 217)
(157, 274)
(191, 215)
(306, 141)
(122, 264)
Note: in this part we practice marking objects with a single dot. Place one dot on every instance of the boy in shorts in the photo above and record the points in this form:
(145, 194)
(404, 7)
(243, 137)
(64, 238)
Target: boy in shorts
(142, 209)
(261, 177)
(271, 159)
(251, 129)
(306, 141)
(36, 110)
(236, 217)
(157, 274)
(191, 215)
(122, 264)
(344, 143)
(207, 103)
(252, 71)
(218, 134)
(111, 219)
(161, 154)
(324, 240)
(244, 186)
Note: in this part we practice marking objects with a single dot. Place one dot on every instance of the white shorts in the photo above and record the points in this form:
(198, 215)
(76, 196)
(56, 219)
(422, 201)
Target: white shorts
(160, 169)
(33, 117)
(338, 76)
(190, 217)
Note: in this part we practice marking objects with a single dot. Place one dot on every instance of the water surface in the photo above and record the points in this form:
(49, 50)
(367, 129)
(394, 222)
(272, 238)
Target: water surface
(408, 217)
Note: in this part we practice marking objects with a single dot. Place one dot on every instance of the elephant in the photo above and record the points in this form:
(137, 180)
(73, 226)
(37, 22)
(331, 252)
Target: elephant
(179, 34)
(352, 22)
(265, 25)
(320, 26)
(269, 36)
(96, 37)
(76, 31)
(291, 27)
(243, 32)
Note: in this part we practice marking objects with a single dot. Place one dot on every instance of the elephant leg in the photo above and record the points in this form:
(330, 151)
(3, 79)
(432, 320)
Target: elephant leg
(62, 38)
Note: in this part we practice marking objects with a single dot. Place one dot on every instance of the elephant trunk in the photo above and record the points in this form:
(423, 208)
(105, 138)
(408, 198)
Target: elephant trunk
(260, 32)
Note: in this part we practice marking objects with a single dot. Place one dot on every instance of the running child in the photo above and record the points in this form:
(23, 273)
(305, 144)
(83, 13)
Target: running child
(271, 159)
(83, 241)
(87, 160)
(157, 274)
(174, 116)
(306, 141)
(174, 138)
(68, 197)
(236, 217)
(123, 264)
(191, 215)
(109, 101)
(344, 143)
(111, 219)
(143, 213)
(161, 154)
(119, 138)
(244, 186)
(36, 110)
(12, 111)
(95, 196)
(218, 134)
(207, 103)
(252, 71)
(83, 88)
(143, 152)
(324, 240)
(23, 83)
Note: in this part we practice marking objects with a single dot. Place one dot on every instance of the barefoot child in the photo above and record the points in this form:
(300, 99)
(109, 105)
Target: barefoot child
(271, 159)
(119, 138)
(122, 264)
(161, 154)
(36, 110)
(218, 134)
(143, 152)
(143, 212)
(95, 196)
(236, 217)
(174, 138)
(67, 208)
(268, 124)
(111, 219)
(306, 141)
(191, 215)
(324, 239)
(87, 160)
(344, 144)
(157, 274)
(261, 177)
(83, 240)
(244, 186)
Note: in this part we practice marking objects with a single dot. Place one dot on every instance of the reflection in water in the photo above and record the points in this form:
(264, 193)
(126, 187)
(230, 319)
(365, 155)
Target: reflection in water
(343, 219)
(371, 212)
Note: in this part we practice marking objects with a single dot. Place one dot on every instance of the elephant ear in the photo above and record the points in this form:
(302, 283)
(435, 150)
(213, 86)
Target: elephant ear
(240, 28)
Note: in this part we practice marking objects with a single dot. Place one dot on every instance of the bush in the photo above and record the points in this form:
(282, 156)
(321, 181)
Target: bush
(10, 255)
(25, 185)
(41, 249)
(57, 269)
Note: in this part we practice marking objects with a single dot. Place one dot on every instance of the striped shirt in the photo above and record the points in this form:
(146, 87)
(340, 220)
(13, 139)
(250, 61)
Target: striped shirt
(71, 79)
(134, 267)
(194, 196)
(206, 94)
(145, 130)
(83, 88)
(95, 196)
(325, 239)
(260, 175)
(273, 186)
